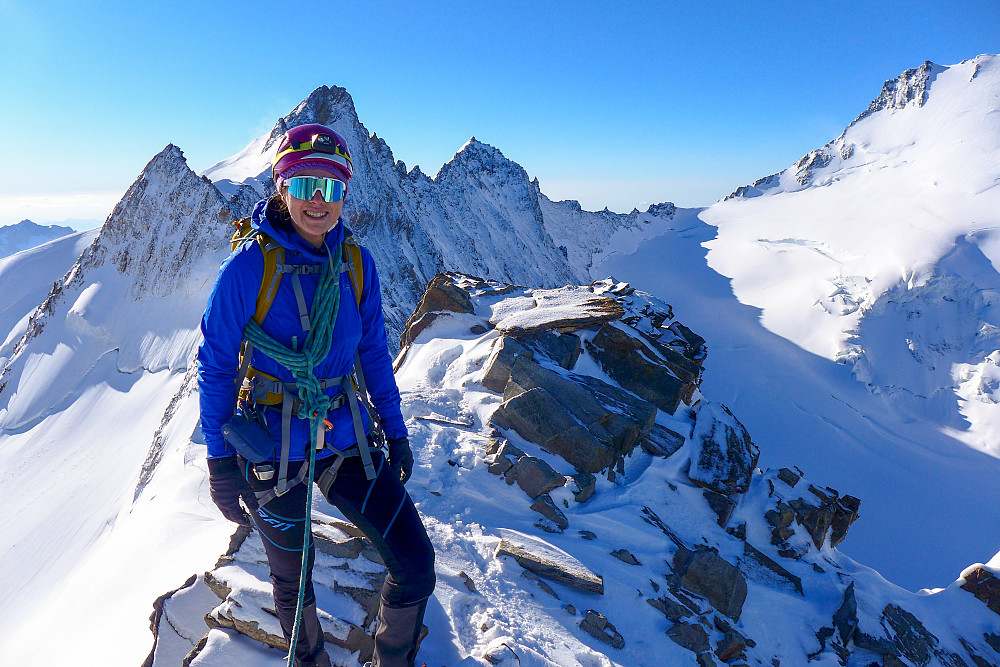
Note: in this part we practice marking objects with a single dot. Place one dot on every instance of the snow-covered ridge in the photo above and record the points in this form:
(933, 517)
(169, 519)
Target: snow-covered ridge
(480, 213)
(677, 550)
(26, 234)
(136, 292)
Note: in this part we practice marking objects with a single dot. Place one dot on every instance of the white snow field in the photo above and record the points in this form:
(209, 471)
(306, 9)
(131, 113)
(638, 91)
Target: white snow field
(848, 309)
(851, 319)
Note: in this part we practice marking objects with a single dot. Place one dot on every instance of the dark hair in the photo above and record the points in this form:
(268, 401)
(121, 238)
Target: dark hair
(277, 213)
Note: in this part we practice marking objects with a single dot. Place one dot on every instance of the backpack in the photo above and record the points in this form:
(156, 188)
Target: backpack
(274, 257)
(255, 388)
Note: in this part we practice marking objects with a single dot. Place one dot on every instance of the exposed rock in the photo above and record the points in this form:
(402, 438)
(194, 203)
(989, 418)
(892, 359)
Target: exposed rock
(154, 618)
(467, 580)
(911, 637)
(753, 560)
(564, 309)
(534, 476)
(587, 422)
(441, 295)
(570, 609)
(583, 485)
(504, 458)
(564, 349)
(723, 506)
(706, 573)
(730, 646)
(661, 441)
(817, 520)
(545, 506)
(597, 625)
(693, 346)
(724, 457)
(690, 636)
(984, 584)
(528, 574)
(845, 513)
(552, 564)
(789, 476)
(587, 535)
(632, 364)
(537, 416)
(845, 619)
(993, 640)
(625, 556)
(672, 610)
(503, 355)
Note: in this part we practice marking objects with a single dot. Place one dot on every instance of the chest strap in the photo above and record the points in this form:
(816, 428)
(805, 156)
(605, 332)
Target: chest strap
(300, 300)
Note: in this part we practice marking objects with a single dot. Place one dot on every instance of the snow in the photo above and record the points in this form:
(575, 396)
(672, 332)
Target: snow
(851, 323)
(851, 327)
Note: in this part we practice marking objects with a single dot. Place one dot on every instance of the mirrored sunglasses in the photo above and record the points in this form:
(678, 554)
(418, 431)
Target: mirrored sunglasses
(305, 188)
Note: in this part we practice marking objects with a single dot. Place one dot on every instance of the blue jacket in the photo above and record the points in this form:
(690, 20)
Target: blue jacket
(232, 304)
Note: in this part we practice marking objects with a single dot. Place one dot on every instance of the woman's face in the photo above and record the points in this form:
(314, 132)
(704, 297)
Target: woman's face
(314, 218)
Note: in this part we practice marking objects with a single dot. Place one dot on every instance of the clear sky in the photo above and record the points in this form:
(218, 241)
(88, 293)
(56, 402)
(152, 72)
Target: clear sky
(613, 104)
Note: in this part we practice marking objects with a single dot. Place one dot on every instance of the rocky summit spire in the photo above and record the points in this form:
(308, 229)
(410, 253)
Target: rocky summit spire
(327, 105)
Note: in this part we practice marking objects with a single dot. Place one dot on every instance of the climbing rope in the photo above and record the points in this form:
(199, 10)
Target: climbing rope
(314, 403)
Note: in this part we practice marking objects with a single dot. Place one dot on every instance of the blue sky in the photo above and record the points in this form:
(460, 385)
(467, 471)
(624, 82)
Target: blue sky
(614, 104)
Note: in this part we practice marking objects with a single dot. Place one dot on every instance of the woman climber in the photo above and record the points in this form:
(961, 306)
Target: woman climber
(279, 408)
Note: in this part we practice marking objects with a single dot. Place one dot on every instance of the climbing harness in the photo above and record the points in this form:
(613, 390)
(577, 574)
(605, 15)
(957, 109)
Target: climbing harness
(306, 396)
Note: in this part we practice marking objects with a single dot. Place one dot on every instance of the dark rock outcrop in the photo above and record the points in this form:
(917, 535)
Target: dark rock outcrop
(597, 625)
(724, 457)
(706, 573)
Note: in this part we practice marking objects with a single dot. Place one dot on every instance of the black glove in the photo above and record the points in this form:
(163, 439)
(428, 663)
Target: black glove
(227, 486)
(400, 457)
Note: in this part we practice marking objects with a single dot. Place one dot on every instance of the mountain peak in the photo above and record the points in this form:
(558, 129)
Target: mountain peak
(476, 156)
(325, 105)
(910, 86)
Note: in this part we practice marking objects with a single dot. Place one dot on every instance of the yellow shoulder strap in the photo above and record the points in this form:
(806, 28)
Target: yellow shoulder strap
(274, 255)
(353, 251)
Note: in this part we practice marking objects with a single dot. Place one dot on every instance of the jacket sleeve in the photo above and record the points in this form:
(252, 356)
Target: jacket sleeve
(230, 307)
(374, 352)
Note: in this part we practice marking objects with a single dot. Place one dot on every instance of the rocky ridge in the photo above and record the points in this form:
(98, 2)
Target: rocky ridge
(479, 214)
(585, 402)
(909, 88)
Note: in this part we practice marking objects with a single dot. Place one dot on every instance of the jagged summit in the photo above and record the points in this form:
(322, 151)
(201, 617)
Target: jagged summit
(326, 105)
(476, 156)
(898, 121)
(910, 86)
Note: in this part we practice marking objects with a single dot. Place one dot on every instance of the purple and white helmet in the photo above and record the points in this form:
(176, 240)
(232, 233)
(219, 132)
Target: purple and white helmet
(311, 146)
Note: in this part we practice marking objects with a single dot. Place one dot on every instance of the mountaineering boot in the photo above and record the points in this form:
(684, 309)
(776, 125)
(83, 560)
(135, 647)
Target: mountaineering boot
(309, 647)
(321, 660)
(397, 637)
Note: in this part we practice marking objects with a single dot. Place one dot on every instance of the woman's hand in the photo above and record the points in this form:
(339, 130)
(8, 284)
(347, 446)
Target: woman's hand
(227, 486)
(400, 457)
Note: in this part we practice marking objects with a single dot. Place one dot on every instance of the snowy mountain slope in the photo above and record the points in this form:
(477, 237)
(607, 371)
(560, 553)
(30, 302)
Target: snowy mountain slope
(27, 234)
(480, 214)
(26, 278)
(99, 423)
(857, 327)
(85, 394)
(491, 608)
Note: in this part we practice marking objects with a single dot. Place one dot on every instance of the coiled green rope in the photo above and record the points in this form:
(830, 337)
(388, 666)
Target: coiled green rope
(315, 404)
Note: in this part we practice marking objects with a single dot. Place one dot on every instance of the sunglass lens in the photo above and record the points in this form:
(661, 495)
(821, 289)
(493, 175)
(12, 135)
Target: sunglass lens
(305, 187)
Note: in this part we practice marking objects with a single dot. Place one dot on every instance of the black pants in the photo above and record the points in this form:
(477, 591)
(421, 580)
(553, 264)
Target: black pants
(381, 508)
